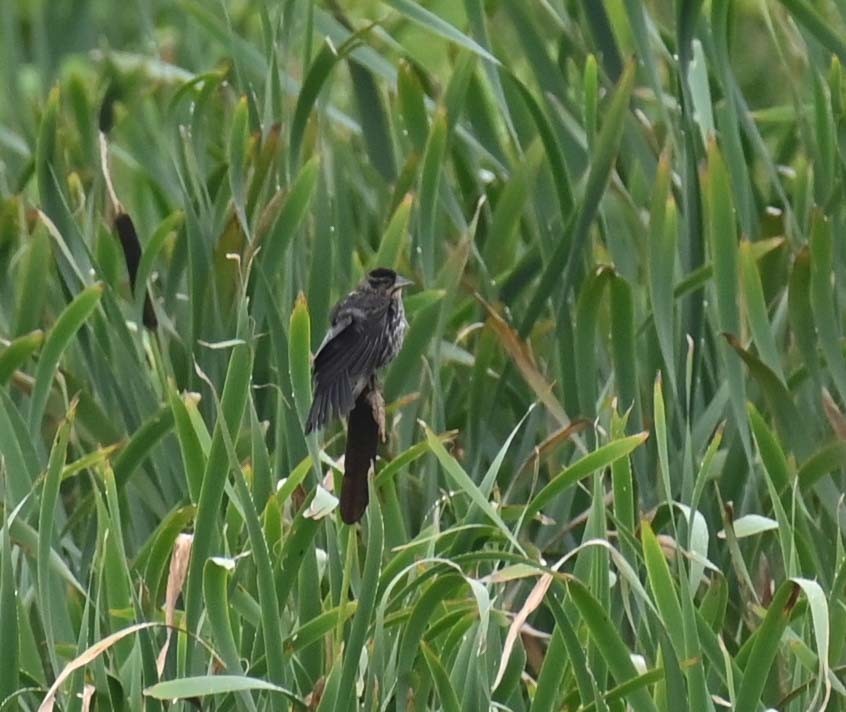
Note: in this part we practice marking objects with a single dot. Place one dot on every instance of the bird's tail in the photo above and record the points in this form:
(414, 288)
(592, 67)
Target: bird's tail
(334, 397)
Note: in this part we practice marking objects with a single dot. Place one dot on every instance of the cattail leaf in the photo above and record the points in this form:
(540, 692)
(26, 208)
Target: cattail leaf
(430, 178)
(765, 646)
(58, 339)
(411, 106)
(568, 252)
(299, 357)
(596, 460)
(237, 156)
(18, 352)
(275, 244)
(606, 638)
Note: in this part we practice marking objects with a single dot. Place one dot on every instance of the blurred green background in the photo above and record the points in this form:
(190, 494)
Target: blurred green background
(614, 468)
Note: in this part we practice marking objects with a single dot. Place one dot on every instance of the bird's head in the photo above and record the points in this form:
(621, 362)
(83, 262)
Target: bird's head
(386, 281)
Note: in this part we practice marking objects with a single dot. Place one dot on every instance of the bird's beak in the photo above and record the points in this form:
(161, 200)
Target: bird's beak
(401, 282)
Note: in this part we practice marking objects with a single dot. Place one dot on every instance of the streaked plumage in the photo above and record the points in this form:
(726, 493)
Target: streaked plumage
(367, 331)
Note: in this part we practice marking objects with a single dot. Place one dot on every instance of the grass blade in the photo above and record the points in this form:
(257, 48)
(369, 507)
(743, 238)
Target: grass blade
(58, 339)
(568, 252)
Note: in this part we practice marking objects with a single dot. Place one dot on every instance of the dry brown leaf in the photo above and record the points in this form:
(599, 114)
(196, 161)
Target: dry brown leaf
(524, 359)
(553, 442)
(87, 695)
(86, 657)
(403, 401)
(175, 581)
(669, 546)
(835, 416)
(533, 600)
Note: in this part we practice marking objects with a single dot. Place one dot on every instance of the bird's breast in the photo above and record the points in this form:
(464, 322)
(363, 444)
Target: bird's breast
(395, 328)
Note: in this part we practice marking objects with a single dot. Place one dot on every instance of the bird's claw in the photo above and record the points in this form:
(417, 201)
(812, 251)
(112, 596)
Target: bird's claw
(377, 403)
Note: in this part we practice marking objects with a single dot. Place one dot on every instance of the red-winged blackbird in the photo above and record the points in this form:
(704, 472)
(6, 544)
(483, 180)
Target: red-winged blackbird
(368, 328)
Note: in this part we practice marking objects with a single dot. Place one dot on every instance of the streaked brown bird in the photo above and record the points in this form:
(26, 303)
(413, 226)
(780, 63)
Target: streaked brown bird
(367, 331)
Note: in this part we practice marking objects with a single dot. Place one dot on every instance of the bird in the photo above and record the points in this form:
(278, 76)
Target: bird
(367, 330)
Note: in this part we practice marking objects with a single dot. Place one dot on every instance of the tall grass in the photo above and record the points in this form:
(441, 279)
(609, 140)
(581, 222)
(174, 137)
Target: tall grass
(614, 472)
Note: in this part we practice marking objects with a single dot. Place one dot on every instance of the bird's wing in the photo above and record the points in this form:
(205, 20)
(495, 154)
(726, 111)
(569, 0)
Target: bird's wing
(353, 345)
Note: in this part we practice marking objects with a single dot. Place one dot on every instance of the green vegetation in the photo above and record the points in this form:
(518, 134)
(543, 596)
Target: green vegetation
(614, 472)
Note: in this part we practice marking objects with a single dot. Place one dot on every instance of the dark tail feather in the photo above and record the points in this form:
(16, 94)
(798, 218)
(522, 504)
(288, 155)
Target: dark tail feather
(316, 415)
(332, 398)
(362, 443)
